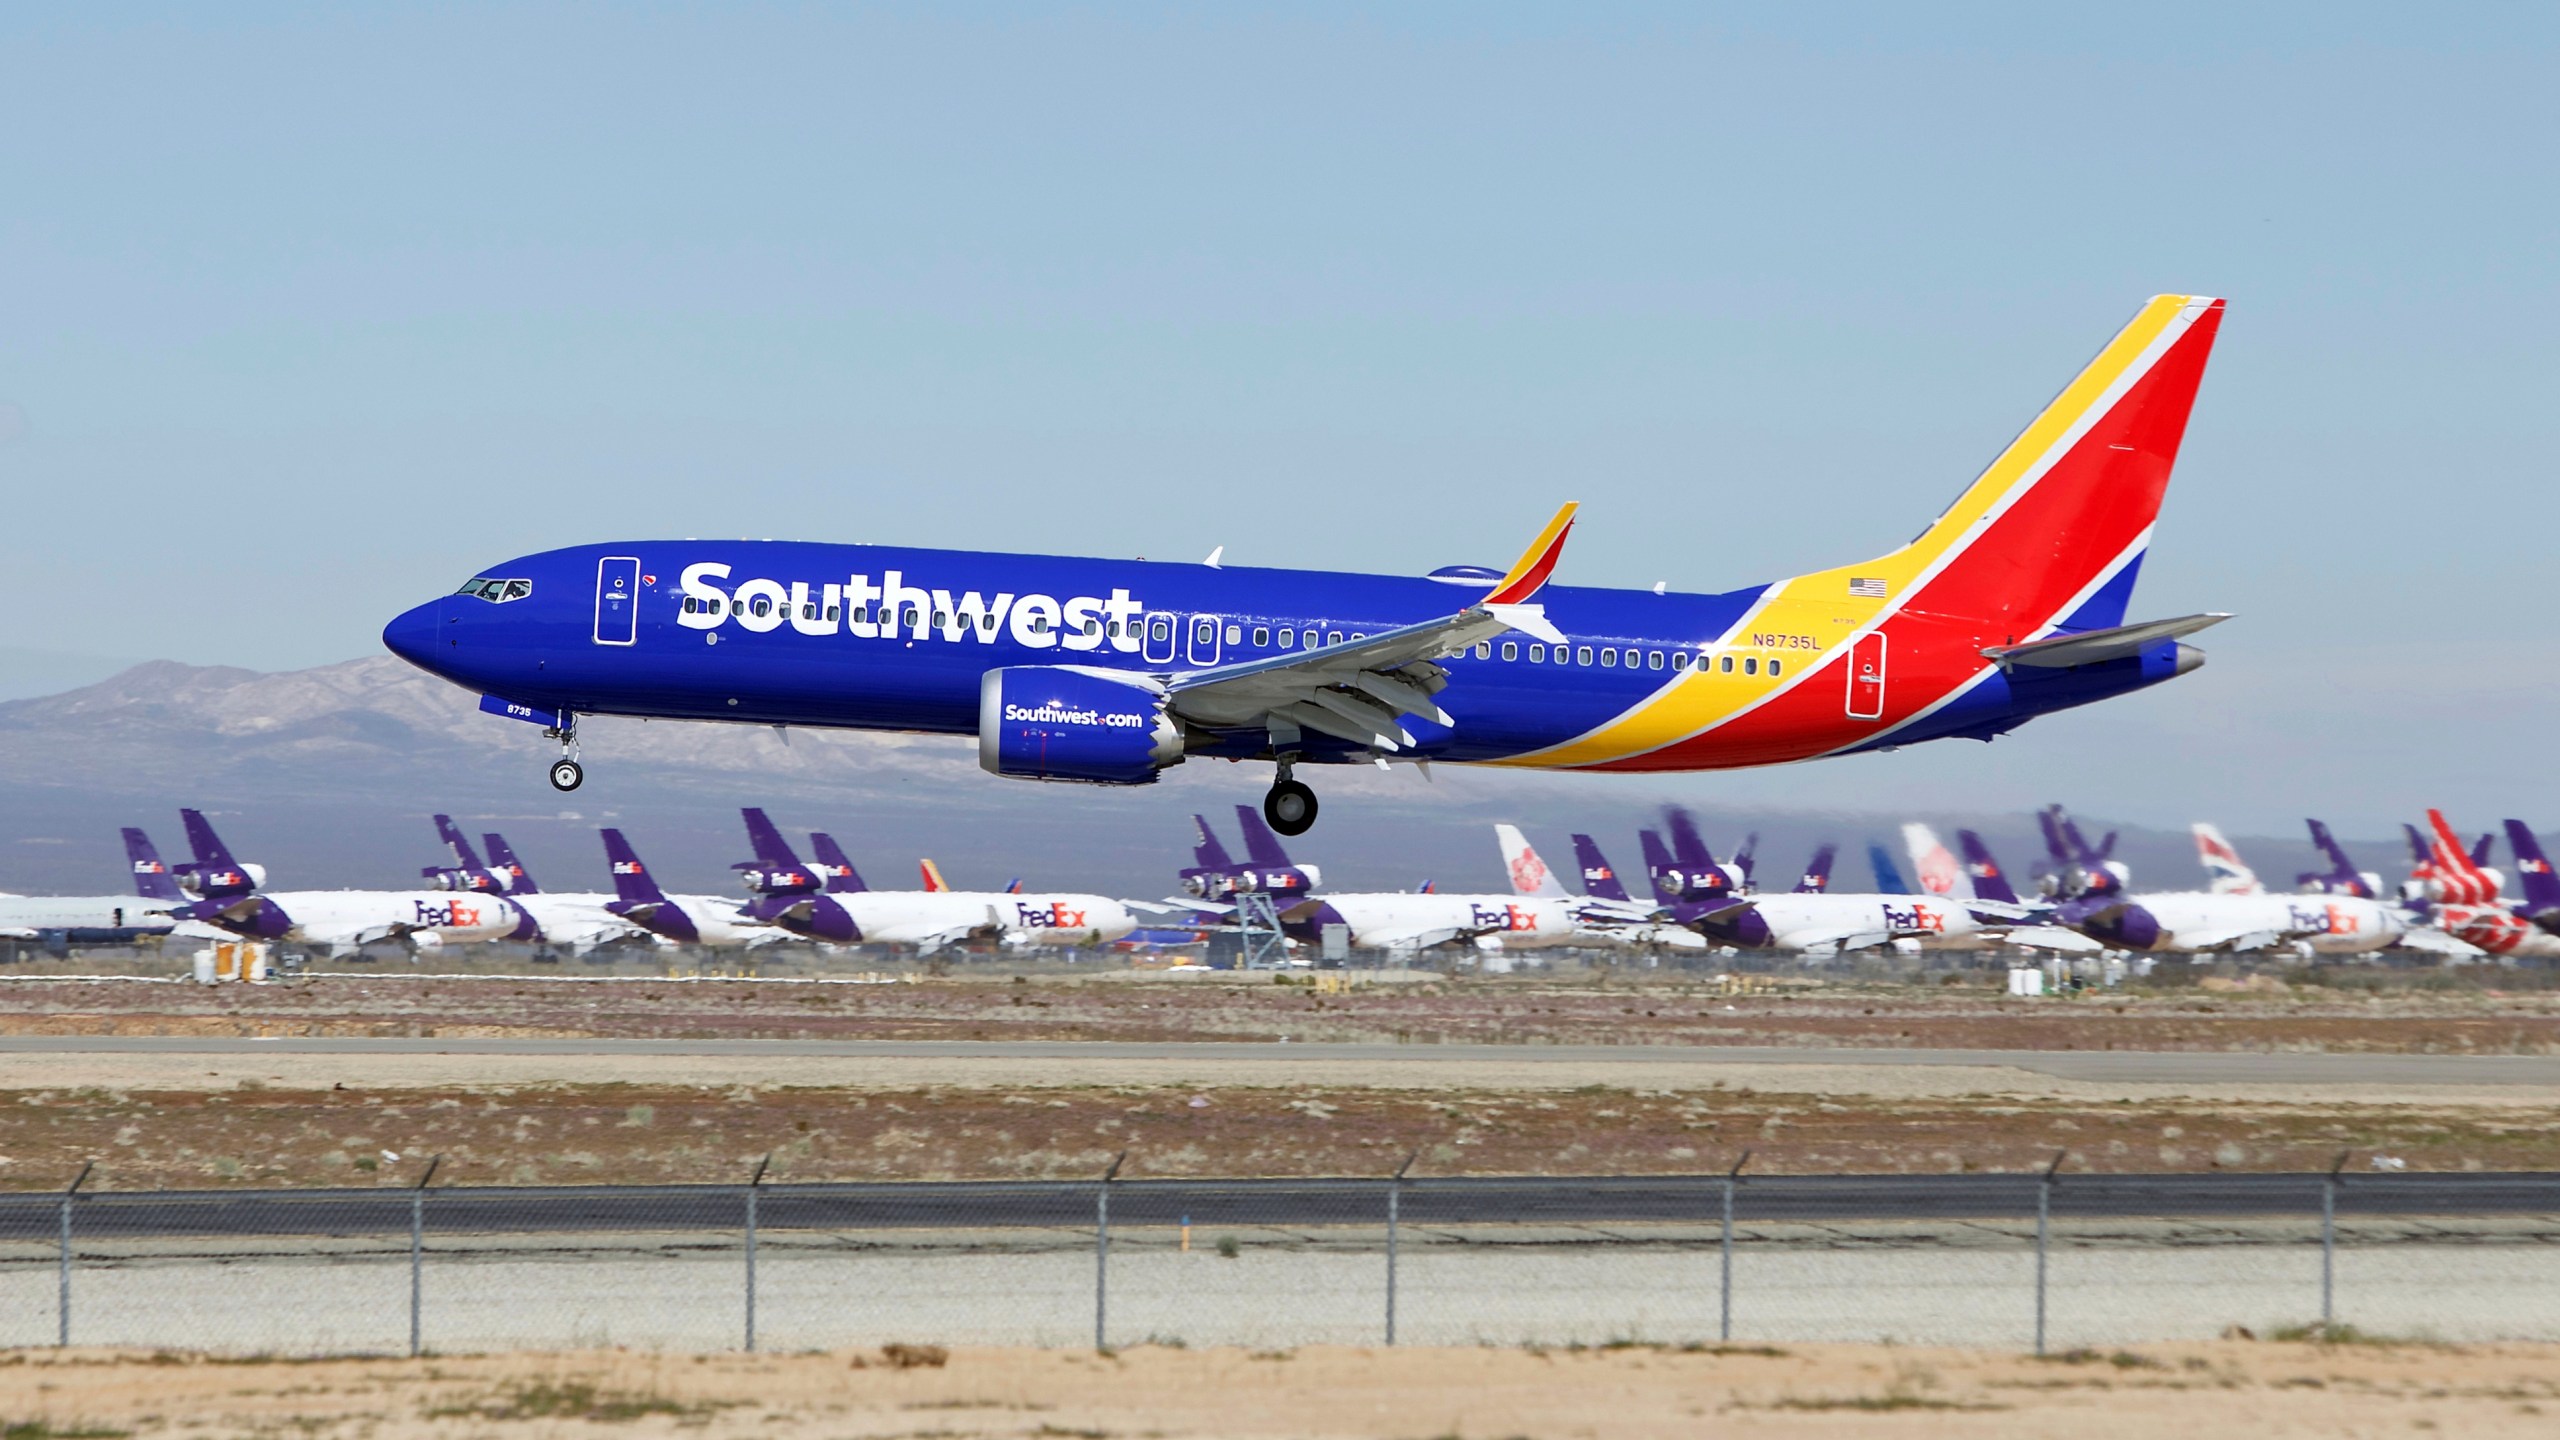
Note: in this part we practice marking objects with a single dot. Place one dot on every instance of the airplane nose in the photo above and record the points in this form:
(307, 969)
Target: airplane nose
(412, 636)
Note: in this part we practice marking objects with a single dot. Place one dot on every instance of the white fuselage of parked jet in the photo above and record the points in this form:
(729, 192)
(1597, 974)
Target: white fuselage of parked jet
(2197, 921)
(578, 922)
(23, 917)
(1404, 922)
(344, 920)
(1821, 924)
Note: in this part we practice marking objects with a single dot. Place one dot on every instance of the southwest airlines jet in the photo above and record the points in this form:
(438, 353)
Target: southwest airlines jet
(2010, 605)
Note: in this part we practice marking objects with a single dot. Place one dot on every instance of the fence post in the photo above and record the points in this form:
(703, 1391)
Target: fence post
(753, 1181)
(62, 1303)
(1395, 1185)
(2329, 1240)
(417, 1251)
(1102, 1252)
(2044, 1216)
(1724, 1287)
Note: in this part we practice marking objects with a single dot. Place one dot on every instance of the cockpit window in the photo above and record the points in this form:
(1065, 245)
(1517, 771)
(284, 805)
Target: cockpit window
(497, 591)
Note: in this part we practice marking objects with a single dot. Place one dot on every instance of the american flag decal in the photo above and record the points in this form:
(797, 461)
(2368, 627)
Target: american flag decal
(1871, 589)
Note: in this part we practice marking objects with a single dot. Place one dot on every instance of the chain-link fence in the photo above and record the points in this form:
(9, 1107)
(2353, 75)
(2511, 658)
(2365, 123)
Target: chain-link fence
(2046, 1261)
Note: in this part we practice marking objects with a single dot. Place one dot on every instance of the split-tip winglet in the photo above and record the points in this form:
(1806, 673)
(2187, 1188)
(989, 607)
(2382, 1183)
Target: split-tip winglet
(1537, 562)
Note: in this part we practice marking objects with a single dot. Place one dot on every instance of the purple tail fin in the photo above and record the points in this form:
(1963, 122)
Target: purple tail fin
(502, 859)
(208, 847)
(451, 835)
(1659, 867)
(1688, 847)
(2480, 849)
(2341, 877)
(1817, 876)
(2056, 847)
(771, 850)
(1742, 858)
(631, 879)
(1206, 852)
(151, 879)
(2418, 852)
(842, 878)
(1598, 880)
(2541, 887)
(1260, 845)
(1988, 882)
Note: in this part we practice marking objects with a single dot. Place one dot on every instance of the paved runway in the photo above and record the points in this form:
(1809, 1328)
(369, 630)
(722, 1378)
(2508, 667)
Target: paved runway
(2100, 1066)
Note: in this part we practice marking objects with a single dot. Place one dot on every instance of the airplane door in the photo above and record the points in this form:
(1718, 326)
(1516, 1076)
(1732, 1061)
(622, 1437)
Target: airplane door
(1203, 639)
(1159, 642)
(1866, 677)
(617, 600)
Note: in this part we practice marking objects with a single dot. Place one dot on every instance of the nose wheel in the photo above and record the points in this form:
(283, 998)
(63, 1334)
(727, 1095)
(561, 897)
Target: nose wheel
(1290, 807)
(567, 775)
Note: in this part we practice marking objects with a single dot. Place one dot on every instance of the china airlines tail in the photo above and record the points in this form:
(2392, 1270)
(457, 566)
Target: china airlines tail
(1529, 874)
(1935, 866)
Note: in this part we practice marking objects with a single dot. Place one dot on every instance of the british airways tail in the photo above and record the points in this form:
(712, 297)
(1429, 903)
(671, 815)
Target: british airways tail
(503, 861)
(151, 879)
(842, 878)
(2533, 869)
(1599, 881)
(2229, 874)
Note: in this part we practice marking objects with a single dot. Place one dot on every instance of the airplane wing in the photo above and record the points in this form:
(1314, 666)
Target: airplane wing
(1996, 911)
(2052, 937)
(1828, 942)
(1419, 938)
(1360, 689)
(16, 932)
(2437, 942)
(2232, 941)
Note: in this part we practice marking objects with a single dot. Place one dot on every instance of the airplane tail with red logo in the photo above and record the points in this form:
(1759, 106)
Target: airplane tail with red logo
(632, 882)
(1817, 875)
(2456, 875)
(213, 874)
(504, 864)
(1529, 874)
(1599, 880)
(934, 884)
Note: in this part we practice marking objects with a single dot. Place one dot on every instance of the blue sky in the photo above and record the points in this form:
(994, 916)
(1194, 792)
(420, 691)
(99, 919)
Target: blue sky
(306, 313)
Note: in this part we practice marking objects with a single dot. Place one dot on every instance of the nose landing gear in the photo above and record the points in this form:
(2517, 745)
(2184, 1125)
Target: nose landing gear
(566, 773)
(1291, 806)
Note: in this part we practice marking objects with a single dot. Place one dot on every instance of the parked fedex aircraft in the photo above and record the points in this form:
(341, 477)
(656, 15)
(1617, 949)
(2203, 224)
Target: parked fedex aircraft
(1403, 922)
(678, 919)
(580, 923)
(2009, 605)
(2236, 915)
(2466, 902)
(1215, 875)
(1603, 914)
(228, 899)
(1808, 921)
(839, 907)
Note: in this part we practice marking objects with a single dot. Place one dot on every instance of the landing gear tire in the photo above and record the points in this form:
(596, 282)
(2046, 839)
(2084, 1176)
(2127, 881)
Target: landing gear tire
(568, 774)
(1290, 807)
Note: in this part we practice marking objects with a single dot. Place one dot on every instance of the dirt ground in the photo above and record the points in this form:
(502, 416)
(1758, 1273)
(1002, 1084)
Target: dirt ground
(254, 1133)
(2372, 1010)
(2232, 1387)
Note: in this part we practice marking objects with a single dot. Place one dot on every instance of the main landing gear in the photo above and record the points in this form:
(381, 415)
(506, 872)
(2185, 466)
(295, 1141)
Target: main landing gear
(1291, 806)
(566, 773)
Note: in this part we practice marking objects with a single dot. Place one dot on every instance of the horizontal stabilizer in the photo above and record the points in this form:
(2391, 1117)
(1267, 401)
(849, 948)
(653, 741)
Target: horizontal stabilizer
(2052, 937)
(2437, 942)
(2088, 647)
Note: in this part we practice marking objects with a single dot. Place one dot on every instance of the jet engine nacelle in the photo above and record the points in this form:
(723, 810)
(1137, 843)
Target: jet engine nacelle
(191, 878)
(1062, 722)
